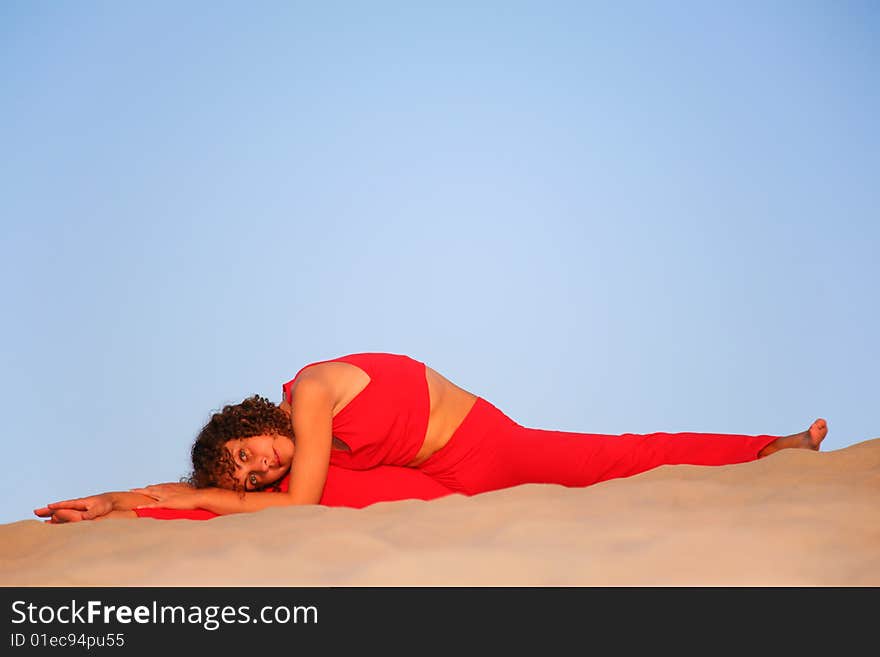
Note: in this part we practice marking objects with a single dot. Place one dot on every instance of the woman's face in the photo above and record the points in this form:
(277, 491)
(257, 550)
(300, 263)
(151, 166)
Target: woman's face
(260, 460)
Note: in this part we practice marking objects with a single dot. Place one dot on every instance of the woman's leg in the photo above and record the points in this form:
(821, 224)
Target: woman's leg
(384, 483)
(581, 459)
(490, 451)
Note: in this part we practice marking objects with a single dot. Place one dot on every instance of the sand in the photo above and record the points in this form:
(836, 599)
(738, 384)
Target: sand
(796, 518)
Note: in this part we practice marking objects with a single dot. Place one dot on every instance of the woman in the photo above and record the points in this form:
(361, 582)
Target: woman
(371, 412)
(365, 410)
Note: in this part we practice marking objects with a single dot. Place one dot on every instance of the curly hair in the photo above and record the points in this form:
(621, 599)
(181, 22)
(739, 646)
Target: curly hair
(212, 464)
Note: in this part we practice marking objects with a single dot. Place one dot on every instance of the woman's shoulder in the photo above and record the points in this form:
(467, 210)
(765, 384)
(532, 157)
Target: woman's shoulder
(331, 370)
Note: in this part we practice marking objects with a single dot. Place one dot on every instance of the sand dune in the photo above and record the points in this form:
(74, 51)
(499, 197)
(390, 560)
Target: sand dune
(796, 518)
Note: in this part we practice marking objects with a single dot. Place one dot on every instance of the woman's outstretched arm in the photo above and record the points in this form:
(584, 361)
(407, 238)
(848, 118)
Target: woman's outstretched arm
(218, 500)
(113, 504)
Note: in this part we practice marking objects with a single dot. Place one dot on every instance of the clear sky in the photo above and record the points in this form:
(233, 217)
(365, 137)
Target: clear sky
(603, 217)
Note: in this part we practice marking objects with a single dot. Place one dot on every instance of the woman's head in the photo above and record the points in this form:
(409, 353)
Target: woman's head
(252, 434)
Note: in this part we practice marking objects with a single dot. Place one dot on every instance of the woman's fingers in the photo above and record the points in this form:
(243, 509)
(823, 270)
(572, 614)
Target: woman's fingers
(66, 515)
(91, 507)
(169, 486)
(171, 502)
(45, 511)
(82, 508)
(147, 492)
(81, 503)
(163, 492)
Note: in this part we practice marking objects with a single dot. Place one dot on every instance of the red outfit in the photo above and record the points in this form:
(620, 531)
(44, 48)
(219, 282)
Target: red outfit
(386, 424)
(387, 421)
(489, 451)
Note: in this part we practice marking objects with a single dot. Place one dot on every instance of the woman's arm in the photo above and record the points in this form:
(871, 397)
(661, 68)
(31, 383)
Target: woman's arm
(218, 500)
(114, 504)
(312, 419)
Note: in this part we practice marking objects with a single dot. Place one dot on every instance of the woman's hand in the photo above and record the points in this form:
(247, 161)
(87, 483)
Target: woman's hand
(167, 488)
(92, 507)
(170, 496)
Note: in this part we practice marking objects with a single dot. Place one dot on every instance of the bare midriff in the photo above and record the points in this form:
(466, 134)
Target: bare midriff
(449, 404)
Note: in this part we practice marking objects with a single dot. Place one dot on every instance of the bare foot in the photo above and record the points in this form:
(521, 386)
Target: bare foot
(809, 439)
(817, 432)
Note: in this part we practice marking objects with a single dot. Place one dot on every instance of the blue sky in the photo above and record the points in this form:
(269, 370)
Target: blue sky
(602, 217)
